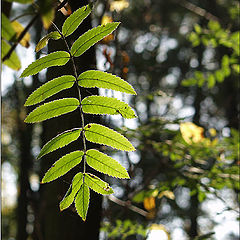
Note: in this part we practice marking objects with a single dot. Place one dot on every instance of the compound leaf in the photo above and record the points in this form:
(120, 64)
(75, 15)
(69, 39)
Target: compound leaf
(82, 201)
(62, 166)
(60, 141)
(75, 19)
(44, 41)
(88, 39)
(105, 164)
(97, 185)
(72, 191)
(106, 105)
(58, 58)
(100, 134)
(93, 78)
(50, 88)
(52, 109)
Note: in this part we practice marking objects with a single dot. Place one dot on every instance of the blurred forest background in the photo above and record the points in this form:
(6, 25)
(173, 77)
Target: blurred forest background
(182, 57)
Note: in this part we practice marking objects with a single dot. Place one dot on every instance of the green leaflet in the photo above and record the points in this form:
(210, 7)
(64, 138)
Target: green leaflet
(82, 201)
(72, 191)
(93, 78)
(62, 166)
(97, 185)
(44, 41)
(52, 109)
(58, 58)
(50, 88)
(7, 31)
(75, 19)
(105, 164)
(106, 105)
(12, 62)
(91, 37)
(99, 134)
(60, 141)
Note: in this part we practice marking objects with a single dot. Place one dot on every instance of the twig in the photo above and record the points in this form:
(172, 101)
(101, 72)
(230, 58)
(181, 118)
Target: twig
(128, 205)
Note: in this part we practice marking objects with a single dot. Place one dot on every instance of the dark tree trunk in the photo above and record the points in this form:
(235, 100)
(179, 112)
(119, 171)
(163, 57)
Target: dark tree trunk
(67, 225)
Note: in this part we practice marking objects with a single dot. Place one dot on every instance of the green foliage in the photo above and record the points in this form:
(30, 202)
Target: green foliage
(88, 39)
(107, 105)
(44, 41)
(7, 30)
(101, 79)
(58, 58)
(79, 192)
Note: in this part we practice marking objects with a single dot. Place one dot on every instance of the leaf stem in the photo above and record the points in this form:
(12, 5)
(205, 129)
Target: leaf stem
(79, 96)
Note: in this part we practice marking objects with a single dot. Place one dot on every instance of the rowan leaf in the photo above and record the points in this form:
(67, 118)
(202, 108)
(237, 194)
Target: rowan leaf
(82, 201)
(100, 134)
(13, 61)
(93, 78)
(60, 141)
(50, 88)
(106, 105)
(88, 39)
(7, 31)
(72, 191)
(44, 41)
(62, 166)
(75, 19)
(52, 109)
(58, 58)
(97, 185)
(105, 164)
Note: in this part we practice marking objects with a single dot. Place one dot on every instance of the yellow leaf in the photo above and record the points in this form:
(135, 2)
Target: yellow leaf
(149, 203)
(167, 194)
(191, 132)
(107, 19)
(18, 28)
(119, 5)
(213, 132)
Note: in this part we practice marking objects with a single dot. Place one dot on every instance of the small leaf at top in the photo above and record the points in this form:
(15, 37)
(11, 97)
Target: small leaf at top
(72, 191)
(60, 141)
(74, 20)
(58, 58)
(52, 109)
(93, 78)
(106, 105)
(88, 39)
(105, 164)
(50, 88)
(82, 201)
(102, 135)
(97, 185)
(44, 41)
(62, 166)
(13, 61)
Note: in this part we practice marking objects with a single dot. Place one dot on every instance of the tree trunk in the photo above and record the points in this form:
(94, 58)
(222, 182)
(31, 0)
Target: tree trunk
(67, 225)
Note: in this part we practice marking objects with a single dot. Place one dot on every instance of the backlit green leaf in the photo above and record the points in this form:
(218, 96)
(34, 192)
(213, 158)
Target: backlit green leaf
(7, 30)
(106, 105)
(13, 61)
(101, 79)
(50, 88)
(99, 134)
(72, 191)
(105, 164)
(97, 185)
(52, 109)
(44, 41)
(82, 201)
(60, 141)
(62, 166)
(88, 39)
(58, 58)
(74, 20)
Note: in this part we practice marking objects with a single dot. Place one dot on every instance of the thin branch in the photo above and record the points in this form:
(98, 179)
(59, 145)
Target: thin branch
(128, 205)
(197, 10)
